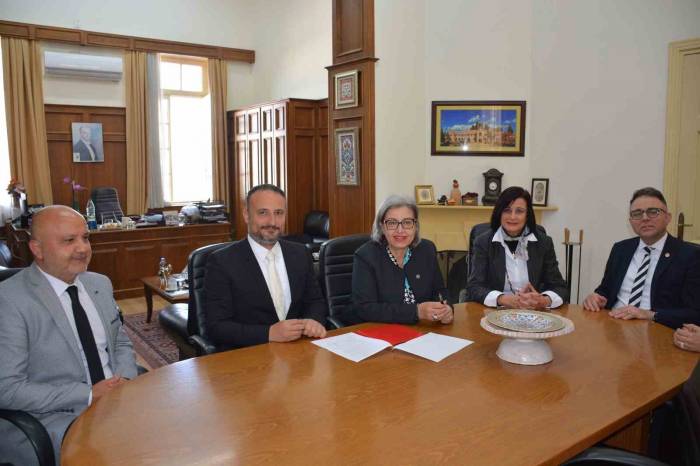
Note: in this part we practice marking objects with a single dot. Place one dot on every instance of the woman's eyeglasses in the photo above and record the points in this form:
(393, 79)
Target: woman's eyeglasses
(407, 223)
(652, 212)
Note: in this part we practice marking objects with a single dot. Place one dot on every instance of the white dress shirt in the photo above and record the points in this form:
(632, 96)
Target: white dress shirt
(516, 270)
(623, 296)
(260, 253)
(96, 325)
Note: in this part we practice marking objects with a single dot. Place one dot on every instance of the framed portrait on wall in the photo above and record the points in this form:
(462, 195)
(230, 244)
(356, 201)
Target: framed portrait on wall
(346, 89)
(87, 142)
(488, 127)
(347, 156)
(540, 191)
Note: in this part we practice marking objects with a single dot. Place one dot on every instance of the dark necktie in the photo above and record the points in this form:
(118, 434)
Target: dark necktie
(640, 279)
(87, 339)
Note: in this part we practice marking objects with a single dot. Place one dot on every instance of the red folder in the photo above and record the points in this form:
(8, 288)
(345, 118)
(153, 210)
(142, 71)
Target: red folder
(392, 333)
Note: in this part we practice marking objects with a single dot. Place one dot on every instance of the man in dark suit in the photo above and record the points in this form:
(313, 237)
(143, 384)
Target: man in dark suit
(654, 276)
(263, 289)
(62, 344)
(84, 150)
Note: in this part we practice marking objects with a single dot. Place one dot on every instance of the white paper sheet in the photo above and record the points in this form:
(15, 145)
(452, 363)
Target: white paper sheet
(352, 346)
(434, 346)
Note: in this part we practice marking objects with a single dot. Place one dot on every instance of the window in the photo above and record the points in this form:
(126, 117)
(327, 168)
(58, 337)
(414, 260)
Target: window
(185, 129)
(4, 151)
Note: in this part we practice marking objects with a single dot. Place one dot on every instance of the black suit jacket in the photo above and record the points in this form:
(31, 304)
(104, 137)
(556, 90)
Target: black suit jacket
(239, 306)
(489, 267)
(675, 287)
(378, 285)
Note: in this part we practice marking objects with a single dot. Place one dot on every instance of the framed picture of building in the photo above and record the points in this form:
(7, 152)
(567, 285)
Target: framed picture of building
(346, 89)
(489, 127)
(347, 160)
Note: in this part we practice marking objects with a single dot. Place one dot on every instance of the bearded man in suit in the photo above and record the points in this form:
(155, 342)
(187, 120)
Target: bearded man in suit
(263, 289)
(62, 344)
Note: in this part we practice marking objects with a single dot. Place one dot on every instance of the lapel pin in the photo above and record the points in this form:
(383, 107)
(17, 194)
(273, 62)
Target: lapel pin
(668, 254)
(418, 276)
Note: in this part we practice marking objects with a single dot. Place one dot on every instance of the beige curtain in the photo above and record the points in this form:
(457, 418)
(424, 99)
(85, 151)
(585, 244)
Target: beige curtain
(220, 165)
(26, 123)
(136, 130)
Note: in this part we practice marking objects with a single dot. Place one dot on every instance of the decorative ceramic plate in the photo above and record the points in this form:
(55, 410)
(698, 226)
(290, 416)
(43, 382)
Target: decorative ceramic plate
(525, 321)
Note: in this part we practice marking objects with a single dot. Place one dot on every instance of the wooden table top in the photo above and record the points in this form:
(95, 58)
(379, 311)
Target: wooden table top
(299, 404)
(154, 284)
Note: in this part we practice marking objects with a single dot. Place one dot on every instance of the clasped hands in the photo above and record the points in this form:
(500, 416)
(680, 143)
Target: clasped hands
(595, 302)
(293, 329)
(687, 337)
(525, 298)
(435, 312)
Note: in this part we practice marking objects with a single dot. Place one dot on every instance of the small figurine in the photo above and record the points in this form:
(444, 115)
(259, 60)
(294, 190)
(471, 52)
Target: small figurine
(164, 271)
(442, 200)
(455, 194)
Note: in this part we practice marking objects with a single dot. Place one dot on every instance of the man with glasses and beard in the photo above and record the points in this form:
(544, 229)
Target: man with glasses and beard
(262, 288)
(653, 276)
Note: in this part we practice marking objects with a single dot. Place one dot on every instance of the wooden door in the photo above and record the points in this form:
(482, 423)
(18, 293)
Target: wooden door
(682, 168)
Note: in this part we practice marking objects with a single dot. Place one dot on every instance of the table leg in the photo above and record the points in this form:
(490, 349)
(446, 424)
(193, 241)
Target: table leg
(148, 294)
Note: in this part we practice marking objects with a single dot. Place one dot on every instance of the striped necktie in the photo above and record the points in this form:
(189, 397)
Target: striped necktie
(640, 279)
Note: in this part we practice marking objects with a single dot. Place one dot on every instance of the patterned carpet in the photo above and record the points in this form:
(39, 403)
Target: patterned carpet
(150, 340)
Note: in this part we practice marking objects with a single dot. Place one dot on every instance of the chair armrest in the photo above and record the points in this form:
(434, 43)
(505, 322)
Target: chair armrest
(201, 345)
(35, 432)
(334, 323)
(612, 456)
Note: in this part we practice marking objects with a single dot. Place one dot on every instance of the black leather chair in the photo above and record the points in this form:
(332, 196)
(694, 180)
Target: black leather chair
(107, 205)
(606, 456)
(187, 325)
(335, 274)
(5, 255)
(32, 428)
(316, 228)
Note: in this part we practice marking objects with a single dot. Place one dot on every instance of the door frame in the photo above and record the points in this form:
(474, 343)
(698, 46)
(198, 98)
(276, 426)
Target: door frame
(677, 51)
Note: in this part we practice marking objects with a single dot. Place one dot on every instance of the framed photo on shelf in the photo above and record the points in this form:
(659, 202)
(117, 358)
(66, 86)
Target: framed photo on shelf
(347, 156)
(488, 127)
(346, 89)
(425, 194)
(540, 191)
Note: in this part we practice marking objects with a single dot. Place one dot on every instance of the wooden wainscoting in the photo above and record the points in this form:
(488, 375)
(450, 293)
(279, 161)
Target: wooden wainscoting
(111, 172)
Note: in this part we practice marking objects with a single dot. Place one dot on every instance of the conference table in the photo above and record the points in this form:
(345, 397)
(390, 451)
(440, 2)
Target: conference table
(295, 403)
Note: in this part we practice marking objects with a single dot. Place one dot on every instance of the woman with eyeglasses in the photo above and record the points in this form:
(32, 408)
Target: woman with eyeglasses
(514, 264)
(395, 275)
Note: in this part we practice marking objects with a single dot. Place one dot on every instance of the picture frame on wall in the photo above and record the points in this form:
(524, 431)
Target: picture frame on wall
(540, 191)
(425, 194)
(347, 156)
(87, 142)
(484, 127)
(346, 89)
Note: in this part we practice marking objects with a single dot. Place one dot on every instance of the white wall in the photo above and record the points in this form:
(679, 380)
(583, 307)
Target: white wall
(292, 40)
(593, 73)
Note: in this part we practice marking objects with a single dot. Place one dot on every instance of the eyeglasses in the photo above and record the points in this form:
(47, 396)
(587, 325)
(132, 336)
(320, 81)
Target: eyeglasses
(652, 212)
(407, 223)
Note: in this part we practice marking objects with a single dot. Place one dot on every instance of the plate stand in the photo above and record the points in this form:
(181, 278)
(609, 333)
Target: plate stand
(530, 352)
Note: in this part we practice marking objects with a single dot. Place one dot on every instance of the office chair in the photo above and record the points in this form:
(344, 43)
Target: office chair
(186, 324)
(335, 275)
(106, 200)
(28, 424)
(316, 227)
(5, 255)
(606, 456)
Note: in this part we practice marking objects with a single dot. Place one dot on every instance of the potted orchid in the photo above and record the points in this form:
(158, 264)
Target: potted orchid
(75, 187)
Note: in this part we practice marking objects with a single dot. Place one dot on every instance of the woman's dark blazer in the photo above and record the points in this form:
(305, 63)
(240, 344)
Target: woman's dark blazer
(378, 285)
(488, 271)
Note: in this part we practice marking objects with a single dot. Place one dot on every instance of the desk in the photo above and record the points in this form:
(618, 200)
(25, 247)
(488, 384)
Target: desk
(297, 404)
(152, 285)
(127, 255)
